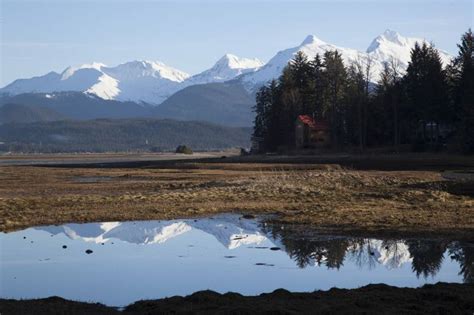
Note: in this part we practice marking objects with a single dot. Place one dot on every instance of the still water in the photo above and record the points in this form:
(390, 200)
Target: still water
(117, 263)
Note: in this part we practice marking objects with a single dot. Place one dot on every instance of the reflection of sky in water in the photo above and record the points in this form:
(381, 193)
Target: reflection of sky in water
(154, 259)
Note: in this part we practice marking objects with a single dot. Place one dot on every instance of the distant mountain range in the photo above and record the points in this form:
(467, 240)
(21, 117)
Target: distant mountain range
(149, 82)
(223, 94)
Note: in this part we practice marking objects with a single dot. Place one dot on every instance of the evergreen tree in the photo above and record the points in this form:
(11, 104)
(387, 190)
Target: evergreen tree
(261, 109)
(427, 91)
(463, 73)
(385, 122)
(317, 87)
(336, 78)
(356, 100)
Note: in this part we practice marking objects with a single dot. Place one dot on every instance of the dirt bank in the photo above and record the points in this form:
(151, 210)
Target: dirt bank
(441, 298)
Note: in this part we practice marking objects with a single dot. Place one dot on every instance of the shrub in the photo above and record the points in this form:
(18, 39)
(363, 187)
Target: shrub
(184, 149)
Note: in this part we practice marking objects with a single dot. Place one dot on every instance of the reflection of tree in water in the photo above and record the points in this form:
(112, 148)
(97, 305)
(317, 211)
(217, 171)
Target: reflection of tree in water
(427, 256)
(464, 254)
(308, 248)
(361, 251)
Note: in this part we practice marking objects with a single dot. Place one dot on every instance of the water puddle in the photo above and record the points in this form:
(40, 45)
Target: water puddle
(92, 179)
(117, 263)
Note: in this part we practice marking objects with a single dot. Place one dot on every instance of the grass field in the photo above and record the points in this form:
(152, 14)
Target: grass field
(342, 194)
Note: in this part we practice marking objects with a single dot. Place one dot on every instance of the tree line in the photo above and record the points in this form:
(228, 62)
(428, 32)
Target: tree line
(428, 106)
(426, 255)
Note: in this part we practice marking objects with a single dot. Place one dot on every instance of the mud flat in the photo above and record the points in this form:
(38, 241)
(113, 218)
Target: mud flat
(411, 195)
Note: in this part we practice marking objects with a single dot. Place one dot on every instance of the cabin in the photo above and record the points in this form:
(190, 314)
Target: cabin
(311, 133)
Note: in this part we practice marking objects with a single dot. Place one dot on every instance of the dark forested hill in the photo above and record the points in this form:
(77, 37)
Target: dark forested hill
(77, 105)
(103, 135)
(18, 113)
(222, 103)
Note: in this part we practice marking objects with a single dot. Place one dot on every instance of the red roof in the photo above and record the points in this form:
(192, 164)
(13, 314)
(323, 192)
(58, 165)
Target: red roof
(313, 124)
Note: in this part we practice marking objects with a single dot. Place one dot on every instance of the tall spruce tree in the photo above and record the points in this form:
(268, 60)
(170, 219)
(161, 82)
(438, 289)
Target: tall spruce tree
(335, 75)
(427, 91)
(317, 87)
(464, 91)
(385, 125)
(355, 102)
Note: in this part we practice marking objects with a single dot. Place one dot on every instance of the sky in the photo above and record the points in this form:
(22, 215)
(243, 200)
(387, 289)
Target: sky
(39, 36)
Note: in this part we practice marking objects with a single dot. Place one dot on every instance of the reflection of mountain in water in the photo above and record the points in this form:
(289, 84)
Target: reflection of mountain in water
(304, 246)
(230, 230)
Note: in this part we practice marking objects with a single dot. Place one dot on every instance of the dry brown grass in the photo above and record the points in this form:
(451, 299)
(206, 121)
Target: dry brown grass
(326, 196)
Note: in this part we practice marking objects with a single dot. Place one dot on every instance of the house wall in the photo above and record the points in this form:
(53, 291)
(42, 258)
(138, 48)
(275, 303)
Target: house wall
(306, 137)
(320, 138)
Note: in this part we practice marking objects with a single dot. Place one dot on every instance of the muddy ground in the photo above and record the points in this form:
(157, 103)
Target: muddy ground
(441, 298)
(410, 195)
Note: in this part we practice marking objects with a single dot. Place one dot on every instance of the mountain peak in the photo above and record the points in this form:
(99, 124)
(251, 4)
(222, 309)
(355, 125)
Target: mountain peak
(393, 36)
(312, 39)
(69, 71)
(233, 62)
(145, 68)
(389, 38)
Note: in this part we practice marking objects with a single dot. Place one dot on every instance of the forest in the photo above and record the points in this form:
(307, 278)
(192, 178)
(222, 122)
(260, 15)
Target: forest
(119, 135)
(428, 107)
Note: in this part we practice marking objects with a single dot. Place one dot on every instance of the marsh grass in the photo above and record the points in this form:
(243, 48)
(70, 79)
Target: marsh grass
(324, 195)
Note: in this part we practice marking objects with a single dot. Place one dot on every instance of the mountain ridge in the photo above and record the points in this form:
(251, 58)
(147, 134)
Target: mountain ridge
(153, 82)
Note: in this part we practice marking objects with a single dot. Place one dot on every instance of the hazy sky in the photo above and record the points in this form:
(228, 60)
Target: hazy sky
(38, 36)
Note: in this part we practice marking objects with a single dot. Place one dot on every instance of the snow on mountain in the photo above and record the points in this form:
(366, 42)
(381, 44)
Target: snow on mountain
(145, 81)
(229, 230)
(311, 46)
(154, 82)
(70, 71)
(139, 81)
(226, 68)
(385, 47)
(391, 45)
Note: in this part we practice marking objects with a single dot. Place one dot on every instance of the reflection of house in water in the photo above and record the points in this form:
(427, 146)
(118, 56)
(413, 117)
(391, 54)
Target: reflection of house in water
(311, 133)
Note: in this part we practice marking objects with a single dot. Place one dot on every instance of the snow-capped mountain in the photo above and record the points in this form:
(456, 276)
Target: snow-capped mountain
(137, 81)
(385, 47)
(226, 68)
(311, 46)
(391, 45)
(154, 82)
